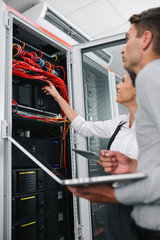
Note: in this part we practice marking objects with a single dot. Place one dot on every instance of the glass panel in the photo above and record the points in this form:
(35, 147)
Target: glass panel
(100, 77)
(96, 94)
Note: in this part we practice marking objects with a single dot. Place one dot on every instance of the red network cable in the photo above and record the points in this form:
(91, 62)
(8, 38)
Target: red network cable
(63, 71)
(25, 70)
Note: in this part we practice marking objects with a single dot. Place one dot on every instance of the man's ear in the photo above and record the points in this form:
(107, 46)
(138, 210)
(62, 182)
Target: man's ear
(146, 39)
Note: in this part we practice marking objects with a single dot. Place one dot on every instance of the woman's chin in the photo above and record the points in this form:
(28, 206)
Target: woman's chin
(119, 101)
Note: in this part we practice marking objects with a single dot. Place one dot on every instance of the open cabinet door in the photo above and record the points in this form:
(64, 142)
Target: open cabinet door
(96, 67)
(3, 23)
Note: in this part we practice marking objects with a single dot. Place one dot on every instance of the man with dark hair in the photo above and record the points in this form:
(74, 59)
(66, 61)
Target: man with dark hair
(145, 29)
(148, 20)
(141, 54)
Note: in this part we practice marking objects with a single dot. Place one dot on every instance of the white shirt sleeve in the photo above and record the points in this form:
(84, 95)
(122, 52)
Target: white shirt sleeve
(103, 129)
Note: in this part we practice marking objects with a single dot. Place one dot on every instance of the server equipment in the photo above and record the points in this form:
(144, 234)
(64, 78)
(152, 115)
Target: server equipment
(41, 208)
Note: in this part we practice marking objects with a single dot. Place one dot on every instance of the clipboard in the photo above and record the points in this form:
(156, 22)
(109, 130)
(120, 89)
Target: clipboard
(88, 154)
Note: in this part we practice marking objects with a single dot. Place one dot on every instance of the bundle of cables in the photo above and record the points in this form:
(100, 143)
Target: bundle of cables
(35, 59)
(30, 66)
(24, 70)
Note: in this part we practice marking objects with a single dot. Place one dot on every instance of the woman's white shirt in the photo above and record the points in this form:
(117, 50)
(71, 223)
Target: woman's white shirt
(125, 141)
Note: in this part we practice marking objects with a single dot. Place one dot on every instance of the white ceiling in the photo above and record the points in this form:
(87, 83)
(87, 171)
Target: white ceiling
(96, 18)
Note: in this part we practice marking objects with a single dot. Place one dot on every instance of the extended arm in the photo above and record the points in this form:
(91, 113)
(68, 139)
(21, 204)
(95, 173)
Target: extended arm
(86, 128)
(51, 90)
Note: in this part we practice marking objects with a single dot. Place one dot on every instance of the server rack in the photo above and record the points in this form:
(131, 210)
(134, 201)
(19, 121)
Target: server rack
(36, 206)
(43, 140)
(88, 223)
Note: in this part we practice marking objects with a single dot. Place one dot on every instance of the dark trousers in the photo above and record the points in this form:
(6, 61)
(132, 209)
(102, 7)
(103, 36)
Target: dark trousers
(145, 234)
(118, 224)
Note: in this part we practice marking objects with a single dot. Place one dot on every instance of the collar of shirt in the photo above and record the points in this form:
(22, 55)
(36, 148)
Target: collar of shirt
(126, 118)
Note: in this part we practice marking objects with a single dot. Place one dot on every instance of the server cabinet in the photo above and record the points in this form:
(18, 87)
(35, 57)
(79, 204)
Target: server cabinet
(91, 91)
(35, 206)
